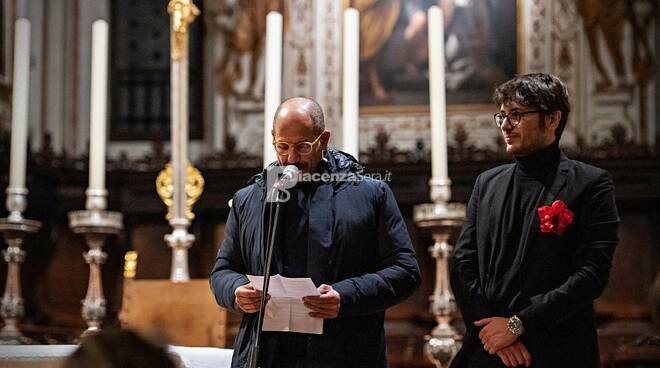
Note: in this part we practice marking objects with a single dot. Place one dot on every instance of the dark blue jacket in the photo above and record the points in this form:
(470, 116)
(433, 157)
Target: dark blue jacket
(357, 242)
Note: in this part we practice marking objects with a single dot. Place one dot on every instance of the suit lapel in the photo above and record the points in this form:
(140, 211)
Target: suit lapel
(545, 199)
(496, 206)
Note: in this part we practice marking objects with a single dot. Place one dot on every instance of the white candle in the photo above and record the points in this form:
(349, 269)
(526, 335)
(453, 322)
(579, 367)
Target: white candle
(19, 110)
(273, 94)
(179, 134)
(437, 94)
(179, 137)
(97, 133)
(351, 77)
(220, 124)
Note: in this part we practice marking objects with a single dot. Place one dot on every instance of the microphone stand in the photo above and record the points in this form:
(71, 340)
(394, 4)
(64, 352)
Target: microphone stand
(253, 355)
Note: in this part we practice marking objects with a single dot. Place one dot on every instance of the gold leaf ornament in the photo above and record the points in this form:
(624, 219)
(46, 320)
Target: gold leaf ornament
(194, 188)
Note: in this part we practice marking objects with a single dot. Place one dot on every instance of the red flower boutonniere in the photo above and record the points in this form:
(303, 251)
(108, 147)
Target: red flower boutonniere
(556, 218)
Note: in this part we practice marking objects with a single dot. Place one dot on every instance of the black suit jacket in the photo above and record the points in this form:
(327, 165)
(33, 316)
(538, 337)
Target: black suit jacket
(560, 276)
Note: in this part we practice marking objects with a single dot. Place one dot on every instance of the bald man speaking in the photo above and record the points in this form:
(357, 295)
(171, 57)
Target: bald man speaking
(342, 229)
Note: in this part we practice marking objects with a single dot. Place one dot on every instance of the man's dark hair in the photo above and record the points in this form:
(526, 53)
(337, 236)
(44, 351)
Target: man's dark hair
(311, 107)
(538, 90)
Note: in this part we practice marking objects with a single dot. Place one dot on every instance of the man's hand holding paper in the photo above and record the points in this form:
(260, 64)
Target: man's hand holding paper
(285, 310)
(325, 305)
(248, 298)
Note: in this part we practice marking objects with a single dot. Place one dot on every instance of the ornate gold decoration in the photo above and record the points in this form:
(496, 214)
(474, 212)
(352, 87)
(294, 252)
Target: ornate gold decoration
(194, 188)
(130, 264)
(183, 12)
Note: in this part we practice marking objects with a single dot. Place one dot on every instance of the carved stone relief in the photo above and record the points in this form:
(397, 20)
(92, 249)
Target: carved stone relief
(601, 49)
(298, 49)
(310, 64)
(327, 75)
(470, 135)
(239, 30)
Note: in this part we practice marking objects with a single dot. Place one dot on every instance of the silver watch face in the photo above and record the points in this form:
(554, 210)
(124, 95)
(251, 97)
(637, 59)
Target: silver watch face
(515, 325)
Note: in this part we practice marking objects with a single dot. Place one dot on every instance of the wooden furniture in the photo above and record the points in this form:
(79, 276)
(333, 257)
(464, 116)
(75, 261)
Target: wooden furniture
(178, 313)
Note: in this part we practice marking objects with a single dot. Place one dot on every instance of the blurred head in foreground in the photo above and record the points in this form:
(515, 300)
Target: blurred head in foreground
(118, 348)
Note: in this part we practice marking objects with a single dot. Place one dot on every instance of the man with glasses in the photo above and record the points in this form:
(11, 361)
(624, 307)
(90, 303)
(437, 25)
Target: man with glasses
(347, 235)
(537, 243)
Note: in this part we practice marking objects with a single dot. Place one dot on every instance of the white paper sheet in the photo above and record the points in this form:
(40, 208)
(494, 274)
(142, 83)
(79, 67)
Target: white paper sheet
(285, 310)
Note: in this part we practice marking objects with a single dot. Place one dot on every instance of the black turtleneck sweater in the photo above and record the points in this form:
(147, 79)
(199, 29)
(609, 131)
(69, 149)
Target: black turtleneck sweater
(296, 227)
(532, 174)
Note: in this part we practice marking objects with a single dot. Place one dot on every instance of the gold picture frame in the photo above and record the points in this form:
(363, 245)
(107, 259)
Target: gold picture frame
(509, 32)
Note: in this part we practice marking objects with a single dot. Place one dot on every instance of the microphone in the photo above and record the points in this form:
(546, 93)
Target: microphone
(288, 179)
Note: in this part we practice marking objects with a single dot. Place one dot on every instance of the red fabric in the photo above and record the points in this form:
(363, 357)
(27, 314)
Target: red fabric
(556, 218)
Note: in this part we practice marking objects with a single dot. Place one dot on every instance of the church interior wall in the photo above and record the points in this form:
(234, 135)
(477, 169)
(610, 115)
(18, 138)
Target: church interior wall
(606, 129)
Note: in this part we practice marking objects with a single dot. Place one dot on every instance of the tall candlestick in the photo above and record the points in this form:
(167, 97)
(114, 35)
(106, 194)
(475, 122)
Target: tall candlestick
(273, 95)
(182, 13)
(15, 227)
(437, 94)
(351, 77)
(19, 109)
(97, 134)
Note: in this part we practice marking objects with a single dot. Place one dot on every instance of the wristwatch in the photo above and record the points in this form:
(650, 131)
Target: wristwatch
(515, 326)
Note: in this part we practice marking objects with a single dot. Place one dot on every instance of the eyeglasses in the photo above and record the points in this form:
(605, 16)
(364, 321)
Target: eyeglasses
(301, 148)
(514, 117)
